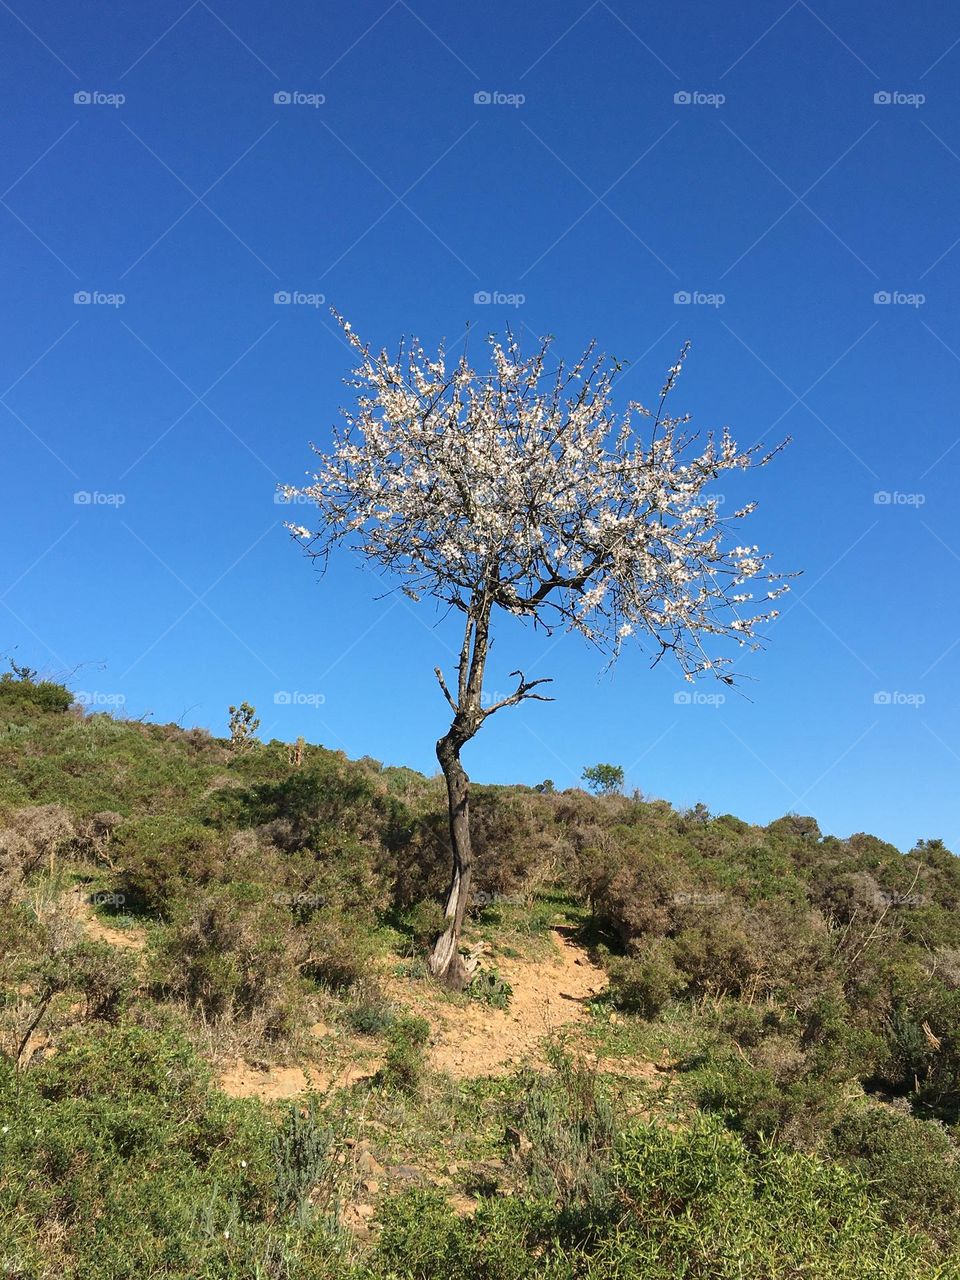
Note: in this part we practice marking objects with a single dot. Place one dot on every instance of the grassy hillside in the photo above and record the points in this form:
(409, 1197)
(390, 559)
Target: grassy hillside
(694, 1047)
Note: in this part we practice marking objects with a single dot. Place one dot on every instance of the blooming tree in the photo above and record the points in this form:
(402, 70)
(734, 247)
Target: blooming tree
(521, 488)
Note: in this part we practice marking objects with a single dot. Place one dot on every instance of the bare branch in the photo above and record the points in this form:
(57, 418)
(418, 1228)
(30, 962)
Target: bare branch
(446, 691)
(521, 694)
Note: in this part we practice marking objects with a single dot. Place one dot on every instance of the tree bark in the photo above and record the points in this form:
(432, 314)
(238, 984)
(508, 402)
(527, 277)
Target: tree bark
(446, 963)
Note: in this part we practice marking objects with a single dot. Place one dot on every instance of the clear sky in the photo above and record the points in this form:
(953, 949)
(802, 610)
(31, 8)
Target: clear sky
(619, 155)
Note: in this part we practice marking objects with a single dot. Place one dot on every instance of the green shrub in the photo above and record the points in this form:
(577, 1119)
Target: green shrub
(566, 1126)
(304, 1158)
(644, 983)
(490, 988)
(913, 1164)
(405, 1060)
(29, 696)
(231, 955)
(424, 921)
(162, 856)
(369, 1011)
(693, 1203)
(337, 949)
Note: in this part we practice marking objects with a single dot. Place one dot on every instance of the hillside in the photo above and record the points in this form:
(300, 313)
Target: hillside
(692, 1046)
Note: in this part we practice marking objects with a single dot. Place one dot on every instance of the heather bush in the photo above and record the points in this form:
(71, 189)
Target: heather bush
(162, 856)
(405, 1062)
(230, 955)
(28, 696)
(913, 1165)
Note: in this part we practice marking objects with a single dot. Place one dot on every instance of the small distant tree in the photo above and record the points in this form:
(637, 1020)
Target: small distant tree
(603, 779)
(521, 490)
(546, 787)
(243, 727)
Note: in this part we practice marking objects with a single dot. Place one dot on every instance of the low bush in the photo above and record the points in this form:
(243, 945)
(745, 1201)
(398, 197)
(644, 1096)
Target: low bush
(405, 1062)
(231, 955)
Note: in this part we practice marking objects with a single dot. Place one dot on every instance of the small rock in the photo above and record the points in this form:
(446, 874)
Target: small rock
(371, 1186)
(368, 1163)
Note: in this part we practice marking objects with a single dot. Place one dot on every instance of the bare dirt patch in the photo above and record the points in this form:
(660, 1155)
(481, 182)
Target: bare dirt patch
(134, 939)
(549, 996)
(273, 1084)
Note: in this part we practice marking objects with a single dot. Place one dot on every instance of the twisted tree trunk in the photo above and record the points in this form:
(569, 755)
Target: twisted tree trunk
(446, 963)
(469, 713)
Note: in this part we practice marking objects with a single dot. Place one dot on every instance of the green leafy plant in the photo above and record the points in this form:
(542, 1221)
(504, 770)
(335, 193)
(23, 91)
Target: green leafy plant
(490, 988)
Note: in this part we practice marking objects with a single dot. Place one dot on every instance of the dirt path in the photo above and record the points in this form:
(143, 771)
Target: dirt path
(549, 996)
(133, 939)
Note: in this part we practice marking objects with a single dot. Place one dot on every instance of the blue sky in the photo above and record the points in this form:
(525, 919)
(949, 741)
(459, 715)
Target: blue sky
(628, 154)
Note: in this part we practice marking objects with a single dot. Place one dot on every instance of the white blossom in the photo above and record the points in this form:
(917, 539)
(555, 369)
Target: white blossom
(524, 488)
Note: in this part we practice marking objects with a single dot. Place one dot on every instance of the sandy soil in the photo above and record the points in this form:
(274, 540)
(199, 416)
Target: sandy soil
(549, 996)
